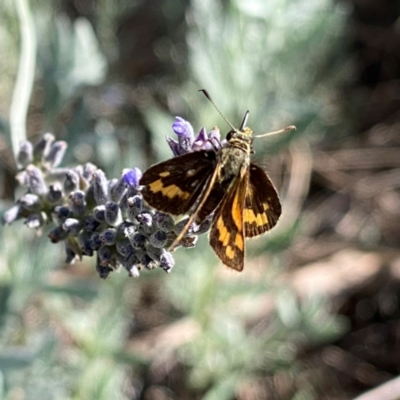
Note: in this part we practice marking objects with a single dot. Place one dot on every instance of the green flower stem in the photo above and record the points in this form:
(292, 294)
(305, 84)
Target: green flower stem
(25, 77)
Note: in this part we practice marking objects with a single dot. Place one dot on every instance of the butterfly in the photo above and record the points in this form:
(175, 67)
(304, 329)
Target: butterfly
(222, 182)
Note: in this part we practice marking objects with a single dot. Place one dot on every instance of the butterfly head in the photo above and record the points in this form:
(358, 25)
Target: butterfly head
(244, 133)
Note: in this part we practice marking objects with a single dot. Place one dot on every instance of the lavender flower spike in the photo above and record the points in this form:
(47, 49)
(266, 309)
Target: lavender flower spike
(94, 214)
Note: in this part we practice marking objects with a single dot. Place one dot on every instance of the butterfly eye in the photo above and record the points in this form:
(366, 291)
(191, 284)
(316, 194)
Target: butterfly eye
(229, 135)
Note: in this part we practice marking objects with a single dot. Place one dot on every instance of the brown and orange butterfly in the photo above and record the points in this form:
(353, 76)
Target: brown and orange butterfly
(221, 181)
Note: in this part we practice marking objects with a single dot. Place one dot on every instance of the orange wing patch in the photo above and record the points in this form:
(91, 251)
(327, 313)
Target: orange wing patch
(169, 191)
(227, 231)
(262, 206)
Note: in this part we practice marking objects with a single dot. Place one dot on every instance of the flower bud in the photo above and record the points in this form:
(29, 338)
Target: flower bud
(122, 228)
(148, 262)
(62, 213)
(164, 221)
(135, 206)
(35, 220)
(72, 225)
(99, 213)
(30, 202)
(25, 154)
(146, 222)
(124, 248)
(131, 265)
(105, 255)
(112, 213)
(88, 171)
(41, 148)
(167, 261)
(55, 155)
(57, 234)
(134, 271)
(95, 241)
(103, 271)
(108, 237)
(85, 243)
(99, 184)
(90, 223)
(158, 239)
(117, 189)
(154, 252)
(78, 203)
(71, 181)
(12, 215)
(137, 240)
(130, 191)
(35, 180)
(54, 195)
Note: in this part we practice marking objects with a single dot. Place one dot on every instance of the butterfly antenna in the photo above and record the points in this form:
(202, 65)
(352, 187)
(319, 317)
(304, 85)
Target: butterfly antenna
(244, 122)
(219, 111)
(288, 128)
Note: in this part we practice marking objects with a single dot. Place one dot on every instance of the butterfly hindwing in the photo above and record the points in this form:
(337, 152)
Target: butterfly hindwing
(262, 206)
(227, 231)
(174, 185)
(216, 194)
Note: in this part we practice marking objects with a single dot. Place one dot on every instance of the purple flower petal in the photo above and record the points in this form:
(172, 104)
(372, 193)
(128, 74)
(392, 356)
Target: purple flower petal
(207, 141)
(183, 128)
(132, 176)
(174, 146)
(199, 145)
(185, 135)
(202, 136)
(214, 134)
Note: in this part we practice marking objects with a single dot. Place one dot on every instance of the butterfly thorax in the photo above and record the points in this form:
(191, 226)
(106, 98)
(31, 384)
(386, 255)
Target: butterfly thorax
(235, 156)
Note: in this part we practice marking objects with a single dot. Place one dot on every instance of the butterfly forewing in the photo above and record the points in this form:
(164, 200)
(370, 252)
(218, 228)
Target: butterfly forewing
(216, 194)
(262, 206)
(227, 231)
(173, 186)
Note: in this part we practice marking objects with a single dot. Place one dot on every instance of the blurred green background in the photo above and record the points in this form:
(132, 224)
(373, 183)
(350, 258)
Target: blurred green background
(315, 314)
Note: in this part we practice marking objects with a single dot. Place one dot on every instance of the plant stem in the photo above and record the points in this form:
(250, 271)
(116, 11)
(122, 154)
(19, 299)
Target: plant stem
(25, 76)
